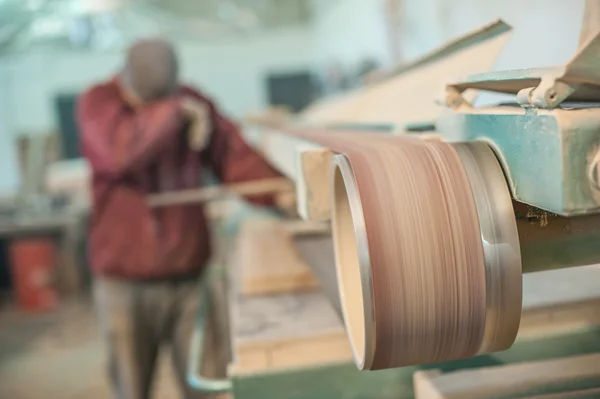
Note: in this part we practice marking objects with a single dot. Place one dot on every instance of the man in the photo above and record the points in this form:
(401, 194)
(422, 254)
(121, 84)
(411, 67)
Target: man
(143, 133)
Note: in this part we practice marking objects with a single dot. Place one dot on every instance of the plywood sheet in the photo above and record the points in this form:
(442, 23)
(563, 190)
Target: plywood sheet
(270, 262)
(289, 330)
(411, 94)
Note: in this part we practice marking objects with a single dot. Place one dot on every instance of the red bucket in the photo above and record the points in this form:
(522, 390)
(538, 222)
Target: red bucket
(33, 262)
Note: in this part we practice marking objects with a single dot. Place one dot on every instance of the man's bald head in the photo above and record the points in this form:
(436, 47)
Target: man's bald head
(151, 69)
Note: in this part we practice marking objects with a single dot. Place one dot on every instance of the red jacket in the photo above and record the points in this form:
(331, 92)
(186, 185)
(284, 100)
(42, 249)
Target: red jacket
(135, 153)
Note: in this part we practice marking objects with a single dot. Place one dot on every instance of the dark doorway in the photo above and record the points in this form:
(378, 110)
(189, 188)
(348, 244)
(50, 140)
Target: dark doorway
(294, 90)
(65, 106)
(5, 278)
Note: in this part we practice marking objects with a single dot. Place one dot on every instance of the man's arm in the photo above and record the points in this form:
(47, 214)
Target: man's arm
(231, 158)
(116, 140)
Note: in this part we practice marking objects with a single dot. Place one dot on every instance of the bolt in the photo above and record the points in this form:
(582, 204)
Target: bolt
(594, 171)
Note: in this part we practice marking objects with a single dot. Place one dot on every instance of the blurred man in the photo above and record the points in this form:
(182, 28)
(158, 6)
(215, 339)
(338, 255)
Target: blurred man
(144, 133)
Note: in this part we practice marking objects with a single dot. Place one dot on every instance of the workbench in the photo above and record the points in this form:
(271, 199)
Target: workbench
(66, 228)
(293, 345)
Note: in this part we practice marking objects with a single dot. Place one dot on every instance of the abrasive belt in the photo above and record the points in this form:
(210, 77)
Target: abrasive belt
(424, 252)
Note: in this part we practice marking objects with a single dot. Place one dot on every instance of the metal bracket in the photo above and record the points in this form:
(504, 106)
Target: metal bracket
(455, 100)
(550, 93)
(195, 379)
(578, 81)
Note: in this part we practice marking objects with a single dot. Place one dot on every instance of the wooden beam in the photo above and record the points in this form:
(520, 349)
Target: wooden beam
(591, 20)
(313, 187)
(247, 189)
(269, 261)
(513, 379)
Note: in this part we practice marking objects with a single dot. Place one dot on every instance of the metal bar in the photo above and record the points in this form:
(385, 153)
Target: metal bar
(549, 241)
(194, 378)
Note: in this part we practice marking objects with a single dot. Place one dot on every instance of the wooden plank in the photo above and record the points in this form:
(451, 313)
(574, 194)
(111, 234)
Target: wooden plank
(309, 350)
(299, 228)
(591, 20)
(270, 263)
(313, 184)
(281, 150)
(513, 379)
(423, 384)
(251, 188)
(592, 393)
(559, 318)
(560, 300)
(72, 177)
(410, 95)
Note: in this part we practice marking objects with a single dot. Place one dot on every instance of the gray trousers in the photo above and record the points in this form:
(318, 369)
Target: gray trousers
(137, 318)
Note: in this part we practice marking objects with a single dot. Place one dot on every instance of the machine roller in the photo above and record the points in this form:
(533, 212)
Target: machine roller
(418, 283)
(436, 216)
(448, 285)
(428, 258)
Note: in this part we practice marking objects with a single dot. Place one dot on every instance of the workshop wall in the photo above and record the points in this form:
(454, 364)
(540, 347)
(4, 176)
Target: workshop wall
(536, 41)
(344, 31)
(349, 31)
(231, 71)
(9, 177)
(545, 33)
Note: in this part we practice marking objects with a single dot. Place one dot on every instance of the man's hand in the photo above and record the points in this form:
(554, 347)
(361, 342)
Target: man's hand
(198, 114)
(286, 201)
(130, 97)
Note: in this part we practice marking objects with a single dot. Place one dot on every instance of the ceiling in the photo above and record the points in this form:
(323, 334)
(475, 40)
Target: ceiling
(99, 24)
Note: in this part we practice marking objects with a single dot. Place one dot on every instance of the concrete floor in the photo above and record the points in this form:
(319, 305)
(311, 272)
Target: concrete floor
(60, 356)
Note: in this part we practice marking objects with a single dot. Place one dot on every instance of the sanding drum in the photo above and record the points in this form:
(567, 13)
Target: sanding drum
(427, 250)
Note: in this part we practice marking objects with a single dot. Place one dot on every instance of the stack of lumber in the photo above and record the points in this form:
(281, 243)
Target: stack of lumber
(271, 261)
(287, 331)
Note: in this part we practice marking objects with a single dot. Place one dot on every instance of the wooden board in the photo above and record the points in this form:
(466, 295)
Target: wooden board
(514, 380)
(559, 301)
(212, 193)
(270, 262)
(287, 330)
(313, 186)
(290, 330)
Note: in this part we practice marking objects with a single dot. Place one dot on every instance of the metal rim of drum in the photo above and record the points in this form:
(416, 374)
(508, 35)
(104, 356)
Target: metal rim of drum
(501, 247)
(500, 242)
(352, 231)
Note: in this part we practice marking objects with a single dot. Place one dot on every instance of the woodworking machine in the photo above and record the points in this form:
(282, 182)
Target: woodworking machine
(534, 168)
